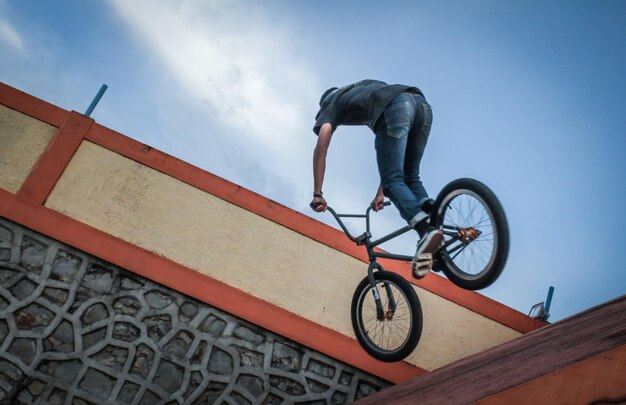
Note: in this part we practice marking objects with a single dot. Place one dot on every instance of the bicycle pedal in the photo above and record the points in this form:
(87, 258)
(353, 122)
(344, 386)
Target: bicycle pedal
(424, 257)
(422, 265)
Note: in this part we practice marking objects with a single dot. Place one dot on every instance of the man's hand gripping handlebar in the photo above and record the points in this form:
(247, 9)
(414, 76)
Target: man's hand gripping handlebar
(321, 206)
(318, 204)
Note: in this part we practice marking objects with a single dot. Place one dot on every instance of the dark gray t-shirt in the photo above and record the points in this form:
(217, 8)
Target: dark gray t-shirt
(360, 103)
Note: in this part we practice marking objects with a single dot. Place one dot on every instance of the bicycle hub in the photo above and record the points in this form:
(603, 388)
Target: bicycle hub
(468, 234)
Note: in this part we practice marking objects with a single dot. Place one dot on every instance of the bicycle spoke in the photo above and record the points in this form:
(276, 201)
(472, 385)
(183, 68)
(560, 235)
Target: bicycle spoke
(465, 211)
(462, 248)
(390, 333)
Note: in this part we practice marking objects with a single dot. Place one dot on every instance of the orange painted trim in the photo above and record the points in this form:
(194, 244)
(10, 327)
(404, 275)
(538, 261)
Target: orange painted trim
(302, 224)
(200, 286)
(55, 158)
(31, 106)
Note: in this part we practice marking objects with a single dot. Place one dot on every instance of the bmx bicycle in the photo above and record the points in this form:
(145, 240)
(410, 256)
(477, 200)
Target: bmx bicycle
(388, 322)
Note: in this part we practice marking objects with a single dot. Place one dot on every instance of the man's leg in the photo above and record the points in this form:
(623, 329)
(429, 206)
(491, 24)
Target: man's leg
(430, 238)
(392, 134)
(392, 146)
(416, 144)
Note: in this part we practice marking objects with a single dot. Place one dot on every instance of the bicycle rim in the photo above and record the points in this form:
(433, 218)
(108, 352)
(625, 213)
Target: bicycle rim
(464, 213)
(392, 333)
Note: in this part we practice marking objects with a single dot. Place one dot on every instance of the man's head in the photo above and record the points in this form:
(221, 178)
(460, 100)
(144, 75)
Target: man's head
(326, 94)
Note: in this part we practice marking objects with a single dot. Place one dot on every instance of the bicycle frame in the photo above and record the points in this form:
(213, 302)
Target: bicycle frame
(365, 240)
(454, 234)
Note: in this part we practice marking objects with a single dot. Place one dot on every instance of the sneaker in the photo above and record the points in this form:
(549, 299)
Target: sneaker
(423, 261)
(430, 242)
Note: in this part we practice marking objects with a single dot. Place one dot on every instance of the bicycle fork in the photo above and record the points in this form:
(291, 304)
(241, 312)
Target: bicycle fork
(381, 314)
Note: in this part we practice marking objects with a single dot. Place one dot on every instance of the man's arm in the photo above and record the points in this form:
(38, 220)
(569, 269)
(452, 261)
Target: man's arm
(319, 165)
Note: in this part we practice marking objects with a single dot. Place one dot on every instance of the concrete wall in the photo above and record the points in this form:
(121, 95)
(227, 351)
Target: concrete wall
(22, 141)
(74, 328)
(164, 215)
(96, 190)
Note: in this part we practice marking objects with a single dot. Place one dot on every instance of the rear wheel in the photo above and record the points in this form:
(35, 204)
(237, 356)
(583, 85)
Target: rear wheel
(395, 334)
(476, 234)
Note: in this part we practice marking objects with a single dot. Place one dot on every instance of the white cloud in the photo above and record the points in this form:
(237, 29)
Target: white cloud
(231, 58)
(10, 36)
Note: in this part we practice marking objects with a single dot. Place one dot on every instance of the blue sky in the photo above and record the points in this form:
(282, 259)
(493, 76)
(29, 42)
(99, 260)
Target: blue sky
(528, 97)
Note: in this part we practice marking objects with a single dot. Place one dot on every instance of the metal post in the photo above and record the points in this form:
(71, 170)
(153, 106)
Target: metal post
(549, 299)
(96, 100)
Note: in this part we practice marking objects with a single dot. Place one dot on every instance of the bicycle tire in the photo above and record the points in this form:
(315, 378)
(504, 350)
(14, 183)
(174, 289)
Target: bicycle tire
(486, 214)
(410, 311)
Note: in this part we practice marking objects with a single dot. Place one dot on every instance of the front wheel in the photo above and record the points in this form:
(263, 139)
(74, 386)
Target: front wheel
(391, 334)
(476, 234)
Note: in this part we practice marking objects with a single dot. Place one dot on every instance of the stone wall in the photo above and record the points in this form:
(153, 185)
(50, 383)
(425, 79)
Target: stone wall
(77, 330)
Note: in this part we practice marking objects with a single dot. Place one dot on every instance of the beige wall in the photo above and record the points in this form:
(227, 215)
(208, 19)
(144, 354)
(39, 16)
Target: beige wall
(166, 216)
(22, 141)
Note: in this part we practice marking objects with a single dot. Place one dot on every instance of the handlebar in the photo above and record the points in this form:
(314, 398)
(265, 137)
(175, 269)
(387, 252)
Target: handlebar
(359, 240)
(314, 205)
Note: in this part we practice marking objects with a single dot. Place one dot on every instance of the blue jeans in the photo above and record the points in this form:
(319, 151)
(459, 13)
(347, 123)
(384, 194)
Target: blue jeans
(401, 136)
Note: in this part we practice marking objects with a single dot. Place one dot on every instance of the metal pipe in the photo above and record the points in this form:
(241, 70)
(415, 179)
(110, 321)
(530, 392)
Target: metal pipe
(393, 256)
(96, 100)
(549, 299)
(391, 236)
(341, 224)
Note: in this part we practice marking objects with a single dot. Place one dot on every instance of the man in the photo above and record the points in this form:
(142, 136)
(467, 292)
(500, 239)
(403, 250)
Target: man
(401, 119)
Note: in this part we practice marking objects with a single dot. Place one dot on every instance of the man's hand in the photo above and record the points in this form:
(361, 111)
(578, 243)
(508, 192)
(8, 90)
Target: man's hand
(318, 204)
(377, 202)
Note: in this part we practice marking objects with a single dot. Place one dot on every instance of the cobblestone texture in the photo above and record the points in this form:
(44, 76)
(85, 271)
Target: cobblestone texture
(76, 330)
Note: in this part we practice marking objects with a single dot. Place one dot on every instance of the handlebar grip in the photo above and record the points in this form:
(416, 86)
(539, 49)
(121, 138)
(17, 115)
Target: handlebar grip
(387, 203)
(314, 205)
